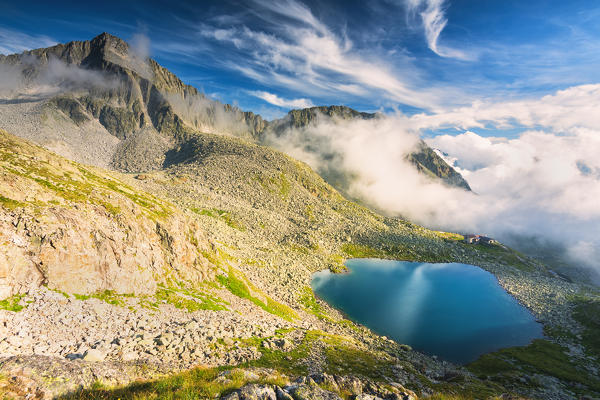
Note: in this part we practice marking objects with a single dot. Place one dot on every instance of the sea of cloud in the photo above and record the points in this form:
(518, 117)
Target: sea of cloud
(544, 183)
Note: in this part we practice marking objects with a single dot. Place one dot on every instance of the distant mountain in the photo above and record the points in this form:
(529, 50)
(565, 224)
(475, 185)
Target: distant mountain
(425, 159)
(429, 162)
(303, 117)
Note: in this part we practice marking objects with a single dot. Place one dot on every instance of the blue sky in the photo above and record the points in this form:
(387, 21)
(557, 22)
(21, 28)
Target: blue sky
(410, 55)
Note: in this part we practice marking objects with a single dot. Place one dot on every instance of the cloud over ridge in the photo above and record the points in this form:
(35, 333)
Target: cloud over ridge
(544, 183)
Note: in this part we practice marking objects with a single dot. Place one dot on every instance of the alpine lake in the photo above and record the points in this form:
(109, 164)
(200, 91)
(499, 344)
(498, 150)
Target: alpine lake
(456, 312)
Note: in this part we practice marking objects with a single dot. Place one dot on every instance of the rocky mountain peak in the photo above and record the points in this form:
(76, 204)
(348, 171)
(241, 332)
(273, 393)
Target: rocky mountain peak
(106, 39)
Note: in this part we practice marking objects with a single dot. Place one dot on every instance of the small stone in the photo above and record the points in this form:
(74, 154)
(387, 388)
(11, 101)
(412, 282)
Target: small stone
(74, 356)
(94, 355)
(130, 356)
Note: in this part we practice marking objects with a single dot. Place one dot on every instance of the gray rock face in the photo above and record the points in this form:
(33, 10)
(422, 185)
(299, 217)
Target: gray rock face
(95, 237)
(253, 391)
(428, 162)
(303, 391)
(282, 394)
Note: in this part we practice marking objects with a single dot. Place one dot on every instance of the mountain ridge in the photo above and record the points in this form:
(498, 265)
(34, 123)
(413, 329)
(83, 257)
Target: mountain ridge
(423, 158)
(145, 98)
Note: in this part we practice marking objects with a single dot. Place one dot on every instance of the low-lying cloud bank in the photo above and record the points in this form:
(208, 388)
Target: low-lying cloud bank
(30, 78)
(545, 183)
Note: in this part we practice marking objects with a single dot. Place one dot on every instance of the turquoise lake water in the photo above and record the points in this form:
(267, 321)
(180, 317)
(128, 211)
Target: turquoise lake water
(454, 311)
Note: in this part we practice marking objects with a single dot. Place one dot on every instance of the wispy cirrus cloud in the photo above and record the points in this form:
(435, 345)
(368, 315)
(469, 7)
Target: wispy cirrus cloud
(280, 102)
(297, 51)
(12, 41)
(433, 20)
(285, 47)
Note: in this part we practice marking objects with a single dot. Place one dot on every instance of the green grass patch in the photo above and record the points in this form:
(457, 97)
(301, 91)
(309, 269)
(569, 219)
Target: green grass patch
(112, 209)
(308, 300)
(222, 215)
(65, 294)
(361, 251)
(542, 357)
(285, 187)
(559, 332)
(240, 288)
(342, 356)
(196, 302)
(449, 235)
(81, 187)
(550, 358)
(12, 303)
(490, 364)
(109, 296)
(279, 185)
(310, 213)
(503, 254)
(335, 263)
(587, 313)
(396, 251)
(10, 203)
(198, 383)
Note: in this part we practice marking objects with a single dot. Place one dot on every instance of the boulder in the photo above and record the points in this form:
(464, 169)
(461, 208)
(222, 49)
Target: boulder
(282, 394)
(94, 355)
(253, 391)
(349, 384)
(303, 391)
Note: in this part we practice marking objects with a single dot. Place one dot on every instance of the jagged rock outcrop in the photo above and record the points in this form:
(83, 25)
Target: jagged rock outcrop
(79, 230)
(427, 161)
